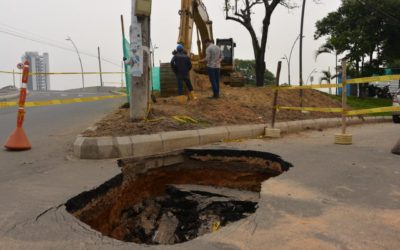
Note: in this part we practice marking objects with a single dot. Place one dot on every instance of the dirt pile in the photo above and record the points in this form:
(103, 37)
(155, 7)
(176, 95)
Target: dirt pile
(248, 105)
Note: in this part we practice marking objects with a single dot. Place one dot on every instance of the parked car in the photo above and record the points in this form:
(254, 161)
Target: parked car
(396, 103)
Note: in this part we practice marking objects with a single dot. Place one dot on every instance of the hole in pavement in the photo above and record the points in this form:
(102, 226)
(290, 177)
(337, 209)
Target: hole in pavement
(169, 199)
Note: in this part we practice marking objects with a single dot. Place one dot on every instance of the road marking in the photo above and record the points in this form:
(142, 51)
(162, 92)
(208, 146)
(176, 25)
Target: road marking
(60, 101)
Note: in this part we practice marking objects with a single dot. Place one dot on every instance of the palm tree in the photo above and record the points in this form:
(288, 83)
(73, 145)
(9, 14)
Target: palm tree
(327, 77)
(329, 48)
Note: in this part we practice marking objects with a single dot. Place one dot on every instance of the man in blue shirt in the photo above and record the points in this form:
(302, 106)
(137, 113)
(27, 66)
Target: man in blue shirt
(181, 65)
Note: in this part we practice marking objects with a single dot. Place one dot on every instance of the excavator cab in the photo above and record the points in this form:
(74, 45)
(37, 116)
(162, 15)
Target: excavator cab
(227, 48)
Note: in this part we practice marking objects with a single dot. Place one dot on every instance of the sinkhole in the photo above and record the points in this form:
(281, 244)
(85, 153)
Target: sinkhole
(174, 198)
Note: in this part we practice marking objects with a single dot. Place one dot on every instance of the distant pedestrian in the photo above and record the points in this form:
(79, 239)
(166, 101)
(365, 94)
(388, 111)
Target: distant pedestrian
(181, 65)
(213, 58)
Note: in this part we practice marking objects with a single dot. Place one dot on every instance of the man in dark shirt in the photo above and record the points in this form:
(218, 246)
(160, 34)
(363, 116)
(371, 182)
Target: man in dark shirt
(181, 65)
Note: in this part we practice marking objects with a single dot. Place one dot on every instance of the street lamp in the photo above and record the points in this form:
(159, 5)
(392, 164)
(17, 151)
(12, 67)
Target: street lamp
(301, 52)
(80, 60)
(290, 57)
(153, 49)
(308, 78)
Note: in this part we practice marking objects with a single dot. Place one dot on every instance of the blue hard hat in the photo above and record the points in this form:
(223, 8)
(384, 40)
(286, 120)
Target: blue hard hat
(179, 47)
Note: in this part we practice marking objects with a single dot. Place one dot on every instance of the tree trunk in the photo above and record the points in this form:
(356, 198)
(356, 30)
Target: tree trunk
(260, 70)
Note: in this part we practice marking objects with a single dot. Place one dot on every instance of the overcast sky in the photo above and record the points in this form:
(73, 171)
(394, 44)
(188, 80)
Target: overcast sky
(93, 23)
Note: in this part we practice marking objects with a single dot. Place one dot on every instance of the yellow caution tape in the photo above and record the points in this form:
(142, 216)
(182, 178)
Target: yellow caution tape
(340, 110)
(373, 110)
(326, 110)
(64, 73)
(232, 140)
(215, 226)
(154, 120)
(316, 86)
(373, 79)
(349, 81)
(58, 102)
(184, 119)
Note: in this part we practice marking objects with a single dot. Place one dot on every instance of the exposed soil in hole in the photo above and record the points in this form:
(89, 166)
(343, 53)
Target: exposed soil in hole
(177, 203)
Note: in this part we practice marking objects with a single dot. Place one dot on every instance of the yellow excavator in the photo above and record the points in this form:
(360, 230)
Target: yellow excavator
(193, 13)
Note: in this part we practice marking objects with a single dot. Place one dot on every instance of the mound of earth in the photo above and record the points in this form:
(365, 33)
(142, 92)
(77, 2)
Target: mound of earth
(247, 105)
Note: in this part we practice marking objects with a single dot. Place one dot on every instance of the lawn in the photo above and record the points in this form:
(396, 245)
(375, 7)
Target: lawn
(366, 103)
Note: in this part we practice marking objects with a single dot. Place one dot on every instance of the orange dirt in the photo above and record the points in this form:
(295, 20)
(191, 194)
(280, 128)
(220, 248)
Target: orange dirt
(247, 105)
(104, 214)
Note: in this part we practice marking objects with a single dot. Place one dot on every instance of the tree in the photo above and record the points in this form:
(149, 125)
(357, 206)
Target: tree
(366, 31)
(330, 49)
(327, 77)
(242, 12)
(248, 69)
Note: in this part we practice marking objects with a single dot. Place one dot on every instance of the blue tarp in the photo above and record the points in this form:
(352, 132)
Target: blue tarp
(156, 78)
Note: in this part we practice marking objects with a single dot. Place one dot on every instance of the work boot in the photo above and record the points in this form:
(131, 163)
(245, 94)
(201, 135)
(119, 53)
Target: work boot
(181, 99)
(192, 96)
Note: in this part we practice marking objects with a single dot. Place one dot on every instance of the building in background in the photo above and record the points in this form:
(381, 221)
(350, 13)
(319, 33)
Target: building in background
(38, 64)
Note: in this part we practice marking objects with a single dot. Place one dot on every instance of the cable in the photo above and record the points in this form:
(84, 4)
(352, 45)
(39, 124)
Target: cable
(15, 34)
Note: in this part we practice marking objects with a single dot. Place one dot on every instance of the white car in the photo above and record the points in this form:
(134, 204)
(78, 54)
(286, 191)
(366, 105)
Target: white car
(396, 103)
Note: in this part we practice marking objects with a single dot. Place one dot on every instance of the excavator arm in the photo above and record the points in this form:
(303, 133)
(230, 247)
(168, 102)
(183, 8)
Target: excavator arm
(194, 12)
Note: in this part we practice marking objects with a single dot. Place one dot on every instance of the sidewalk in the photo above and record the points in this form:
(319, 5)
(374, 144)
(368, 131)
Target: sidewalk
(335, 197)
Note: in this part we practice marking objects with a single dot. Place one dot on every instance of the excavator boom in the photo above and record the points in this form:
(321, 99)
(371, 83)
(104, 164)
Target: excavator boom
(194, 12)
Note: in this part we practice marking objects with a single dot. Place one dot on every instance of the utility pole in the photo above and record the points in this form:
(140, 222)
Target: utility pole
(122, 74)
(101, 76)
(301, 52)
(140, 61)
(14, 77)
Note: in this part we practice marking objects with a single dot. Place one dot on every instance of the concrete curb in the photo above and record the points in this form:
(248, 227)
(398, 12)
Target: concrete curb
(164, 142)
(8, 96)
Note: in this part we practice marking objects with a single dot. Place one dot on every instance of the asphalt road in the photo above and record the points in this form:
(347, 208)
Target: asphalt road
(335, 197)
(50, 129)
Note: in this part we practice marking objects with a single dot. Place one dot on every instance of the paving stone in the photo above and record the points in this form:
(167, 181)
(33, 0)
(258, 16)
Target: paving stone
(239, 132)
(258, 129)
(145, 145)
(309, 125)
(321, 123)
(210, 135)
(333, 122)
(107, 148)
(176, 140)
(273, 132)
(283, 126)
(125, 146)
(78, 145)
(89, 148)
(294, 126)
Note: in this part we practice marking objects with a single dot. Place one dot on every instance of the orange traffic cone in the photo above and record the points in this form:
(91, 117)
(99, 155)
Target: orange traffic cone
(18, 140)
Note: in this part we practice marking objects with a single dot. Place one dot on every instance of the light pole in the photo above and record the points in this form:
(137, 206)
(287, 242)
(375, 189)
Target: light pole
(153, 49)
(301, 52)
(80, 60)
(290, 57)
(308, 78)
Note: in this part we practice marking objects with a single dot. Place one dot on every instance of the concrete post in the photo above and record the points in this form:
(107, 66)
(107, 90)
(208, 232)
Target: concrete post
(140, 49)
